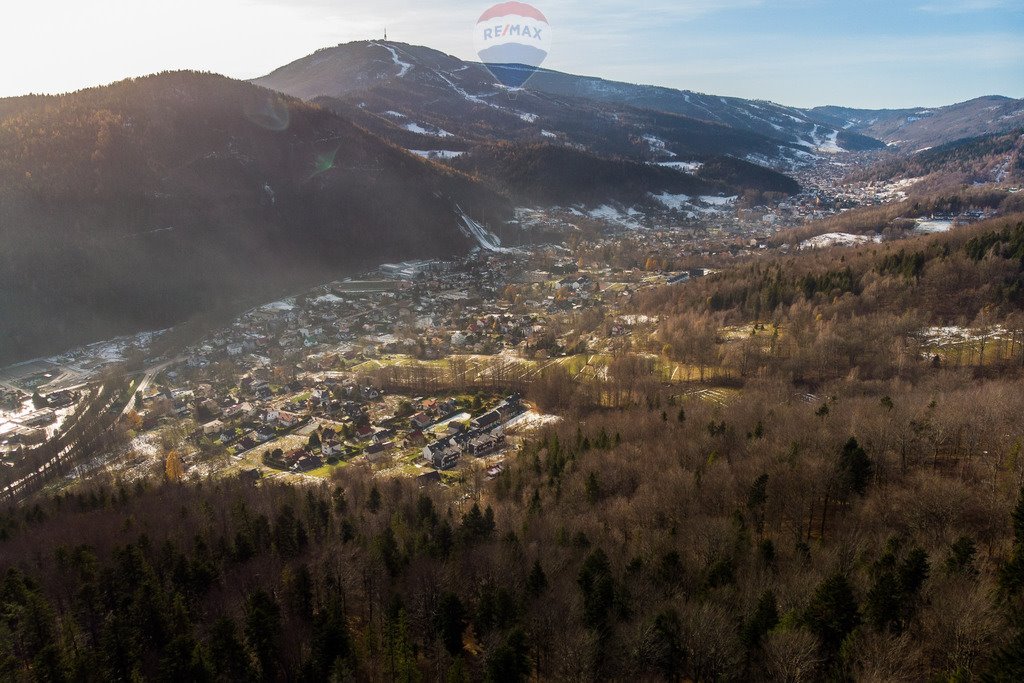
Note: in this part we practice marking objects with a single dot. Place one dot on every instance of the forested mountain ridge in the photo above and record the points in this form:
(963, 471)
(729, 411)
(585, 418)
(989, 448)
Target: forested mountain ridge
(548, 174)
(402, 83)
(137, 205)
(911, 130)
(943, 279)
(995, 158)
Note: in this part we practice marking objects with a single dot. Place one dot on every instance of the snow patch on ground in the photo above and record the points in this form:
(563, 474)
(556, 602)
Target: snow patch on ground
(283, 306)
(420, 130)
(548, 134)
(835, 239)
(436, 153)
(932, 226)
(657, 145)
(634, 320)
(825, 145)
(403, 67)
(673, 201)
(944, 336)
(529, 118)
(829, 144)
(484, 237)
(718, 201)
(531, 419)
(684, 166)
(611, 214)
(461, 91)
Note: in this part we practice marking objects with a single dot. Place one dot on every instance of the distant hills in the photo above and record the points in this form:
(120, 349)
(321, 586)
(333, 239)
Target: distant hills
(395, 85)
(578, 132)
(911, 130)
(137, 205)
(993, 158)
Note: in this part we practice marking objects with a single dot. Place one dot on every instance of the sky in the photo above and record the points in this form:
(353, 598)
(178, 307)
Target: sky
(860, 53)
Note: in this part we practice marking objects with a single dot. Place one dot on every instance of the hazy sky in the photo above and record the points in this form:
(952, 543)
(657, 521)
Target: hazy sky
(865, 53)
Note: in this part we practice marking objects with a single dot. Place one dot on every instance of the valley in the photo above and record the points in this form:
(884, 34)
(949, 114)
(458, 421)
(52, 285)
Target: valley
(365, 354)
(373, 368)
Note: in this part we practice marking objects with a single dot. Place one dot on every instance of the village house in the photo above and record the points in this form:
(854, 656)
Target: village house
(307, 462)
(488, 420)
(213, 427)
(442, 455)
(485, 444)
(421, 420)
(282, 418)
(376, 452)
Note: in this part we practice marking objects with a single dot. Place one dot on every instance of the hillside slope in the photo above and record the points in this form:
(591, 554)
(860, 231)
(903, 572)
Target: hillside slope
(140, 204)
(915, 129)
(996, 158)
(432, 90)
(551, 174)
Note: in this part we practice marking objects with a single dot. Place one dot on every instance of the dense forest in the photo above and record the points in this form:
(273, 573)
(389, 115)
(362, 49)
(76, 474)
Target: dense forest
(946, 277)
(138, 205)
(551, 174)
(839, 515)
(872, 534)
(987, 158)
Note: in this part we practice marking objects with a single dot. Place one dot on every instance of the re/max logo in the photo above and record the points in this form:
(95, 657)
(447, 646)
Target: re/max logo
(512, 30)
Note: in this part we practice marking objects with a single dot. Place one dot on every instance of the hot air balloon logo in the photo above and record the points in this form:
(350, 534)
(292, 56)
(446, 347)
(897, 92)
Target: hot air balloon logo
(512, 39)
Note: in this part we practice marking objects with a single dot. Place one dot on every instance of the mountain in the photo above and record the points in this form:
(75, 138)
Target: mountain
(453, 103)
(137, 205)
(994, 158)
(915, 129)
(790, 125)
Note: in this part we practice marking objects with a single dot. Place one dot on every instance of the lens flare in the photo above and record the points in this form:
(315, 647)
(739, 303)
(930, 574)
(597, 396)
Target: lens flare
(268, 110)
(323, 162)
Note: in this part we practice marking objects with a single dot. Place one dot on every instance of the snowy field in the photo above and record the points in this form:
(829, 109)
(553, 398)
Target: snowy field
(932, 227)
(836, 239)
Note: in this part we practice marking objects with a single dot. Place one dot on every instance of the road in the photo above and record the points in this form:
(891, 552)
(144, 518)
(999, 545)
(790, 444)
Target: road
(138, 385)
(147, 381)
